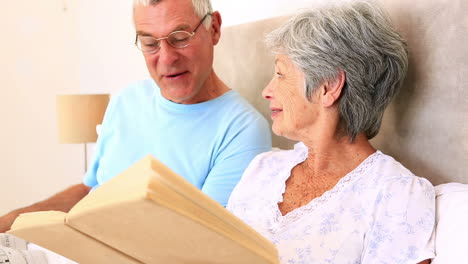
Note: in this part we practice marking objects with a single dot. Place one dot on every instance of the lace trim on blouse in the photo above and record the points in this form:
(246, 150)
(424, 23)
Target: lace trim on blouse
(301, 152)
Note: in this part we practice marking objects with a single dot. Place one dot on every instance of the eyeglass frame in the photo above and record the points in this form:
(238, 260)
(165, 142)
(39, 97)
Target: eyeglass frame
(173, 32)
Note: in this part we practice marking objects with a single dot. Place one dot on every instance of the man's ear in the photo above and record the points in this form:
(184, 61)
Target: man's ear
(331, 89)
(215, 29)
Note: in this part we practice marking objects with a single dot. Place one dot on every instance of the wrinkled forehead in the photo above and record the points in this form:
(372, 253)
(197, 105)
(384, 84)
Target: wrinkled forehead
(284, 63)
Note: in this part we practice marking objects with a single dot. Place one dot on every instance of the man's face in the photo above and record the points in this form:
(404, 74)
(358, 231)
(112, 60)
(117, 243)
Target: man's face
(181, 73)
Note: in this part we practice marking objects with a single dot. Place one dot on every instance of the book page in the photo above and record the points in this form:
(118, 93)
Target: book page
(154, 215)
(147, 214)
(12, 242)
(15, 256)
(48, 230)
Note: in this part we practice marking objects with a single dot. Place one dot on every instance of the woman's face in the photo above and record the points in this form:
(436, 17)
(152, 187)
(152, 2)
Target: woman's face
(293, 115)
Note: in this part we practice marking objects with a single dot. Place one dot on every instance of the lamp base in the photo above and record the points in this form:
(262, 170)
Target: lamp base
(85, 158)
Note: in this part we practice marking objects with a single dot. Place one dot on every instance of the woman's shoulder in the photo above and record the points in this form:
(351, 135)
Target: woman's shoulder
(393, 170)
(402, 208)
(393, 179)
(269, 169)
(267, 162)
(262, 184)
(279, 158)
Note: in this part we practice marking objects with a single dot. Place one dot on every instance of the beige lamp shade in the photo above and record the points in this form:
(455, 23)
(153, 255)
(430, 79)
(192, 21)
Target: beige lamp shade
(78, 115)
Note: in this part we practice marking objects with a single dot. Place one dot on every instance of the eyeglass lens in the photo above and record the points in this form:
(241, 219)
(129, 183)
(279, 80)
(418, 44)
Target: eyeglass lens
(177, 39)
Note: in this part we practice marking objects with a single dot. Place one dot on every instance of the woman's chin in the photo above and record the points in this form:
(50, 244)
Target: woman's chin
(276, 131)
(280, 132)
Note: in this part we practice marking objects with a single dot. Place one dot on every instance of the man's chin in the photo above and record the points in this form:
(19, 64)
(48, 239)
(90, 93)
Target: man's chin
(179, 98)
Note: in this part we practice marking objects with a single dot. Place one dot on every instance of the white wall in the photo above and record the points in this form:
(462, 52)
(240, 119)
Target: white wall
(61, 46)
(109, 59)
(38, 54)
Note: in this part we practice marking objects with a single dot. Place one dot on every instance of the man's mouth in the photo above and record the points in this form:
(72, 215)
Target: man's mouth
(174, 75)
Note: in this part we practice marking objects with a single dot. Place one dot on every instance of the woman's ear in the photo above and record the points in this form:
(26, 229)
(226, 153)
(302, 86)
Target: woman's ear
(215, 29)
(331, 89)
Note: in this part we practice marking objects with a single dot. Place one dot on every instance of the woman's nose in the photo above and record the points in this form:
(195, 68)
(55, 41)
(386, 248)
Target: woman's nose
(267, 91)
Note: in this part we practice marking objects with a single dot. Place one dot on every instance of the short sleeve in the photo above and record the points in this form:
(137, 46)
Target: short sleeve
(90, 178)
(252, 139)
(402, 228)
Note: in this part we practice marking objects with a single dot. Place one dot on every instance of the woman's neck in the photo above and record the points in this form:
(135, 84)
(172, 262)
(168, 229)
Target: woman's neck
(337, 156)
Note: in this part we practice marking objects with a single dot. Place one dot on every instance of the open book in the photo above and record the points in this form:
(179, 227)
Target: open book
(15, 251)
(147, 214)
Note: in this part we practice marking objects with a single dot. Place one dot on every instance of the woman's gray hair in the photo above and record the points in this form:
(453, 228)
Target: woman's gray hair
(201, 7)
(355, 37)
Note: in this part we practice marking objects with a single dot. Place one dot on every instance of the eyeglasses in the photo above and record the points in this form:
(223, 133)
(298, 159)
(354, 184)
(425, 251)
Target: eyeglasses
(177, 39)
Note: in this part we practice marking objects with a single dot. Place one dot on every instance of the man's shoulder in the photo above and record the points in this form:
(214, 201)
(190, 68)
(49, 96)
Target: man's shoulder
(238, 100)
(237, 121)
(132, 98)
(237, 106)
(138, 89)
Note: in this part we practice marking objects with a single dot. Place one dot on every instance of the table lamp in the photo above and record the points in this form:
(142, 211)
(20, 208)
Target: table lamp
(77, 118)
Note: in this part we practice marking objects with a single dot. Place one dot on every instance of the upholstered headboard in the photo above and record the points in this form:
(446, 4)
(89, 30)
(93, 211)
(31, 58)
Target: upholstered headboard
(426, 127)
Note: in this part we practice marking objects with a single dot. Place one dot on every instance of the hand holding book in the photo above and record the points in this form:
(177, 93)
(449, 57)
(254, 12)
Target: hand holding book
(147, 214)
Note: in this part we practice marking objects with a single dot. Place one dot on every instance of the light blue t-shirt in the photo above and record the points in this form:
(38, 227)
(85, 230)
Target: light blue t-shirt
(210, 144)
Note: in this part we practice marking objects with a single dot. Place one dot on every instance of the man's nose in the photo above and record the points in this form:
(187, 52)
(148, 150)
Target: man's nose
(167, 54)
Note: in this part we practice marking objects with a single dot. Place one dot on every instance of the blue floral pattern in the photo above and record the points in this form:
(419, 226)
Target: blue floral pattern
(378, 213)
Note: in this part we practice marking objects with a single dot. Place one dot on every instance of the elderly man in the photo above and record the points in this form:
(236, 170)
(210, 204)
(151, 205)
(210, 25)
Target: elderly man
(185, 115)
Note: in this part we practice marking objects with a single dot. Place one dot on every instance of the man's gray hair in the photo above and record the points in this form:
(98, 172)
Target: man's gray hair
(201, 8)
(356, 37)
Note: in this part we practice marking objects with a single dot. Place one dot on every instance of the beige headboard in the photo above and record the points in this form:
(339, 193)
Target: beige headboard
(426, 127)
(242, 61)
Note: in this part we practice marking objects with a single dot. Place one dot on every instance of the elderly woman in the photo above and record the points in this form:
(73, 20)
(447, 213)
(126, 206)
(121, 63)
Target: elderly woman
(334, 198)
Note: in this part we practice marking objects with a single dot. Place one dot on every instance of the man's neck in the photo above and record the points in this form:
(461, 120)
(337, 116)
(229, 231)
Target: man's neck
(214, 87)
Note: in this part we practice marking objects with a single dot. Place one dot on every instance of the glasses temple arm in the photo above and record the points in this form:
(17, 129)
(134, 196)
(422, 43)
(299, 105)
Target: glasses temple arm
(201, 22)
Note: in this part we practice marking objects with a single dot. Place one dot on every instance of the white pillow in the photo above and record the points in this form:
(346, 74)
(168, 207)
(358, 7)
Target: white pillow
(452, 223)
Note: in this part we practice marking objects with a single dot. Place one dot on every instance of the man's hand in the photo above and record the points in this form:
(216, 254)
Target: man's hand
(62, 201)
(7, 220)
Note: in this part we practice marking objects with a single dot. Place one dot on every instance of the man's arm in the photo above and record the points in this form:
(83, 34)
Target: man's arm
(62, 201)
(251, 139)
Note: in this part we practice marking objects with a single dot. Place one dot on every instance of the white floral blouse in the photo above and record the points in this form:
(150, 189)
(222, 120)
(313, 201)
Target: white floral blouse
(378, 213)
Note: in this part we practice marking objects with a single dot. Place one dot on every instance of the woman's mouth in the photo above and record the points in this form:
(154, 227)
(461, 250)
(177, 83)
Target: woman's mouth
(275, 112)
